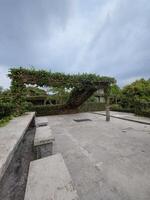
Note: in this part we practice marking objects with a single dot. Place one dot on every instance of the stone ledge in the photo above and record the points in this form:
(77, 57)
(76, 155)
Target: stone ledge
(41, 121)
(10, 137)
(43, 135)
(49, 179)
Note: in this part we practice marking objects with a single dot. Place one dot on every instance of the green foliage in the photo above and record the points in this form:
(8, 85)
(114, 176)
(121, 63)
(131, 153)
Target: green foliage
(1, 90)
(92, 99)
(134, 98)
(115, 93)
(115, 90)
(35, 91)
(82, 85)
(142, 107)
(60, 94)
(43, 110)
(144, 112)
(5, 120)
(6, 109)
(137, 91)
(119, 108)
(92, 106)
(47, 79)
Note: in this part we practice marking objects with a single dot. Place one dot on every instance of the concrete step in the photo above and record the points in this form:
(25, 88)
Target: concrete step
(41, 121)
(43, 142)
(49, 178)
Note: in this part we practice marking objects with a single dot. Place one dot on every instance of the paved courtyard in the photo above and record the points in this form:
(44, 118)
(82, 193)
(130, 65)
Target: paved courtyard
(106, 160)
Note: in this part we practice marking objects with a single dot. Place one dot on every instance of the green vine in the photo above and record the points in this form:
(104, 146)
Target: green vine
(83, 85)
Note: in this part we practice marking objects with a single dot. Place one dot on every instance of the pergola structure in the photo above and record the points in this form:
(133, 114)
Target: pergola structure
(82, 86)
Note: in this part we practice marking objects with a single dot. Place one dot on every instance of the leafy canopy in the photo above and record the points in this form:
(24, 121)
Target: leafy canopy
(47, 79)
(82, 85)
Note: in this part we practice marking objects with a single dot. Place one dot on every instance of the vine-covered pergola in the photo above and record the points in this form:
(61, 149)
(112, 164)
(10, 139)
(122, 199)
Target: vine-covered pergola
(82, 85)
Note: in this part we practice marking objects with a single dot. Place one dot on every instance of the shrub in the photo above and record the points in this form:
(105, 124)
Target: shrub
(42, 110)
(6, 109)
(5, 120)
(144, 113)
(119, 108)
(142, 108)
(92, 106)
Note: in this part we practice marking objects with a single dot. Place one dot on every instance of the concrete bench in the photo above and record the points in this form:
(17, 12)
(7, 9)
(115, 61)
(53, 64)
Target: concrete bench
(41, 121)
(43, 142)
(49, 179)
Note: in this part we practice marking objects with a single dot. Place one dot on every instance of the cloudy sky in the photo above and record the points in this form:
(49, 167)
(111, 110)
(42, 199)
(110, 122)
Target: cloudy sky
(107, 37)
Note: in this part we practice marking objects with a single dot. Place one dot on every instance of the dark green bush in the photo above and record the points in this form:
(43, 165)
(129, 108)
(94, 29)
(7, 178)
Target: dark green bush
(92, 106)
(142, 108)
(42, 110)
(5, 120)
(144, 113)
(118, 108)
(6, 109)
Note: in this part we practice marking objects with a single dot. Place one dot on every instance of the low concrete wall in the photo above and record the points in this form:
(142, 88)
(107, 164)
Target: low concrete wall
(10, 138)
(13, 183)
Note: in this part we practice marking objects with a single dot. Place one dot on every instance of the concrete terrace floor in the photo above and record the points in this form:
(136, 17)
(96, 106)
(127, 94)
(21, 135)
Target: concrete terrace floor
(106, 160)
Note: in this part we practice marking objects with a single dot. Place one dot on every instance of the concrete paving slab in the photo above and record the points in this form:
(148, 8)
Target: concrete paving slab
(49, 179)
(106, 160)
(127, 116)
(43, 135)
(10, 137)
(41, 121)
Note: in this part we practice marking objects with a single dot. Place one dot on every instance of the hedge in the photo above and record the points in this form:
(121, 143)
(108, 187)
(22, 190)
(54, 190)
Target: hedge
(138, 110)
(6, 109)
(144, 113)
(118, 108)
(42, 110)
(92, 106)
(5, 120)
(142, 108)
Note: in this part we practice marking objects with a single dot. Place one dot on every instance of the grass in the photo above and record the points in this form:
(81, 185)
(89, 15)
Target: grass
(4, 121)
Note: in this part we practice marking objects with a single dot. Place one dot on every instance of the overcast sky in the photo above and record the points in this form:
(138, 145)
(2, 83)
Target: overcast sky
(107, 37)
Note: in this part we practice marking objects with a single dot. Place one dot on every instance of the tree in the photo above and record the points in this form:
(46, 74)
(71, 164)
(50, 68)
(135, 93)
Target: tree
(35, 91)
(60, 94)
(115, 93)
(1, 89)
(135, 92)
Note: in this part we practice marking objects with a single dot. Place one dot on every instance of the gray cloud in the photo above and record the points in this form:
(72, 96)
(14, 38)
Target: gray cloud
(25, 25)
(108, 37)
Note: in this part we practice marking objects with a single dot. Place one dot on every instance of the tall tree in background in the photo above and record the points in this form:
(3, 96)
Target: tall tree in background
(138, 91)
(115, 94)
(1, 89)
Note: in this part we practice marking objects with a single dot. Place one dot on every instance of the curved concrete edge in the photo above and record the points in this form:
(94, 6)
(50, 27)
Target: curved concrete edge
(10, 138)
(124, 118)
